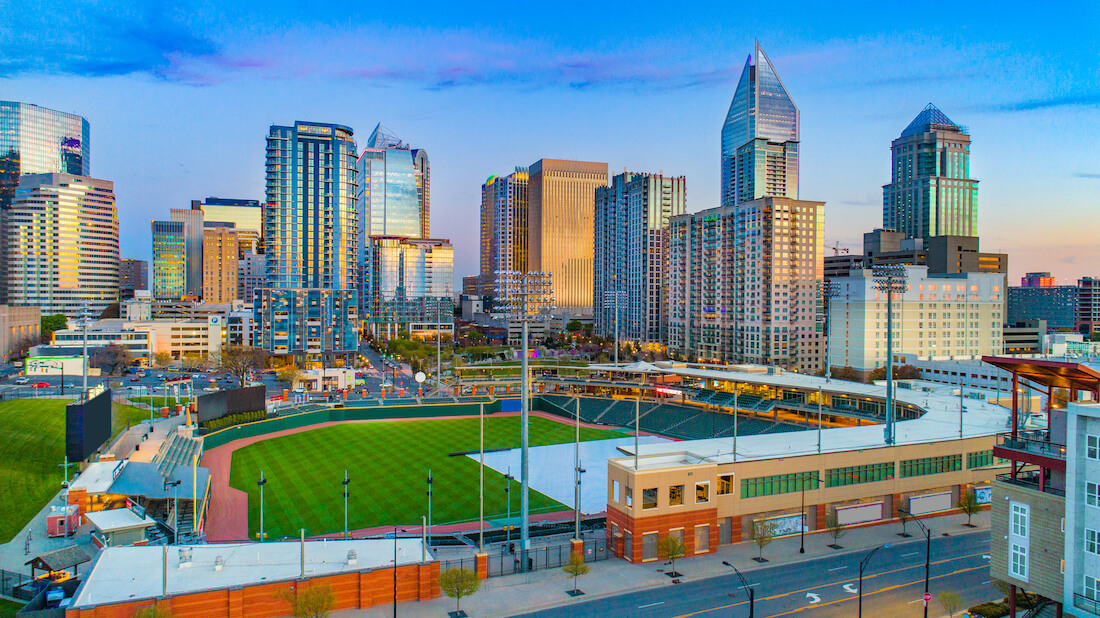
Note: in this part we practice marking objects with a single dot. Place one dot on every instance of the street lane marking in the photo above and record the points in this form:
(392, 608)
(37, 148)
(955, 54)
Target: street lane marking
(838, 568)
(651, 605)
(813, 598)
(912, 553)
(850, 588)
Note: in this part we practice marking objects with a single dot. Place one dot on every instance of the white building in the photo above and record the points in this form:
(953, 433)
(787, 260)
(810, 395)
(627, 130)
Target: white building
(1082, 517)
(177, 338)
(937, 317)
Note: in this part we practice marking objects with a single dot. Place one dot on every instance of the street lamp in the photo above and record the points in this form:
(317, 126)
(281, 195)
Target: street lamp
(524, 296)
(346, 482)
(508, 494)
(261, 483)
(927, 552)
(802, 529)
(830, 290)
(746, 586)
(890, 279)
(175, 507)
(863, 565)
(429, 504)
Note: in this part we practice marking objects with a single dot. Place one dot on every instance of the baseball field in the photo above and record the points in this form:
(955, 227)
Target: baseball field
(388, 464)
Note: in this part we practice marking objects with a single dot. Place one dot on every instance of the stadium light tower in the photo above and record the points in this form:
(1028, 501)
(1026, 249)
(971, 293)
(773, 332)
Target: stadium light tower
(524, 296)
(890, 279)
(346, 482)
(613, 298)
(261, 483)
(830, 290)
(85, 320)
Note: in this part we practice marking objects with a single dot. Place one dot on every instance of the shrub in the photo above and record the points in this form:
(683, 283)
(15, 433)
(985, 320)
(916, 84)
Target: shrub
(989, 609)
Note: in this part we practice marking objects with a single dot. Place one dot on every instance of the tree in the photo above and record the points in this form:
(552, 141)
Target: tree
(575, 567)
(50, 323)
(311, 602)
(111, 357)
(238, 360)
(836, 529)
(153, 611)
(950, 602)
(672, 547)
(573, 326)
(763, 532)
(162, 359)
(848, 373)
(289, 374)
(475, 337)
(904, 516)
(458, 583)
(968, 503)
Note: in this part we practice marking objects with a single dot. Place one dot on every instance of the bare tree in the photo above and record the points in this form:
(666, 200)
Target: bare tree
(763, 533)
(968, 503)
(950, 602)
(239, 360)
(836, 529)
(904, 516)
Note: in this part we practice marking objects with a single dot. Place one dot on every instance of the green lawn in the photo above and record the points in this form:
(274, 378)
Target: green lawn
(32, 445)
(159, 401)
(388, 465)
(8, 608)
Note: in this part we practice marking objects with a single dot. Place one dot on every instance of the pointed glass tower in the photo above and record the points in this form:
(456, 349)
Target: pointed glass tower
(760, 137)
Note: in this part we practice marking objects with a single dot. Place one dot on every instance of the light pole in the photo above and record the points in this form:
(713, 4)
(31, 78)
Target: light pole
(261, 483)
(508, 495)
(577, 472)
(346, 482)
(175, 507)
(481, 479)
(85, 319)
(927, 552)
(863, 565)
(890, 279)
(802, 528)
(429, 504)
(609, 297)
(830, 290)
(524, 296)
(746, 586)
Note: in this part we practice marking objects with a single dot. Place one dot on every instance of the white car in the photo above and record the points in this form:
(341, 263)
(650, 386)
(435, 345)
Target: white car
(211, 389)
(22, 380)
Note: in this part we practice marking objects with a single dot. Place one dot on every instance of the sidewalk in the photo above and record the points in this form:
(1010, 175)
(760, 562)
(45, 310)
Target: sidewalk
(517, 594)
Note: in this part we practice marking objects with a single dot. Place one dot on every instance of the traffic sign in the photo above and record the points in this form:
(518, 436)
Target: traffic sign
(927, 597)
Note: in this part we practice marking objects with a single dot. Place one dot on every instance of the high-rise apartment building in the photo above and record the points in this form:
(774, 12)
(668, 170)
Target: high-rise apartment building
(310, 305)
(760, 137)
(743, 284)
(132, 275)
(251, 275)
(193, 225)
(503, 227)
(561, 211)
(220, 263)
(931, 192)
(37, 140)
(1088, 305)
(1040, 298)
(245, 215)
(629, 273)
(62, 250)
(169, 260)
(413, 285)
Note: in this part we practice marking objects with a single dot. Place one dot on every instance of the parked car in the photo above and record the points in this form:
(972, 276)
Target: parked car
(40, 384)
(22, 380)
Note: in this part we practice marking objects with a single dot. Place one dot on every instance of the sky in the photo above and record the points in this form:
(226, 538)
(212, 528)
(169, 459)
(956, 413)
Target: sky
(180, 97)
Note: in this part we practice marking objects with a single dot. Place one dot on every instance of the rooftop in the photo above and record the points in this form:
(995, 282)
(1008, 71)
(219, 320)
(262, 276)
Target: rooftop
(113, 520)
(932, 119)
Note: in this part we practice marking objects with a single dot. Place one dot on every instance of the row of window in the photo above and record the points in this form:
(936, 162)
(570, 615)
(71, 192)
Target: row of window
(778, 484)
(931, 465)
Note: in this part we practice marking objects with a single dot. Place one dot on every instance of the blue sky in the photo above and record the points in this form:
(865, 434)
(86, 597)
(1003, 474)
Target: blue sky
(180, 96)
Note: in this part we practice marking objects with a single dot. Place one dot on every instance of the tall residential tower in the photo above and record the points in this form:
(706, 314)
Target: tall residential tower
(503, 227)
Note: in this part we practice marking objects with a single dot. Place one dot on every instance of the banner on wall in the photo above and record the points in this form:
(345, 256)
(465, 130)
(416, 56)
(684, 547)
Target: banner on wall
(858, 513)
(983, 495)
(786, 525)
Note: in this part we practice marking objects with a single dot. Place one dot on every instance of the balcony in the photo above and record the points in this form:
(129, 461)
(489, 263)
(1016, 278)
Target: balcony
(1033, 447)
(1030, 480)
(1080, 601)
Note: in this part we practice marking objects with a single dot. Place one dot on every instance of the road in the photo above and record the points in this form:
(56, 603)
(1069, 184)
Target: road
(893, 584)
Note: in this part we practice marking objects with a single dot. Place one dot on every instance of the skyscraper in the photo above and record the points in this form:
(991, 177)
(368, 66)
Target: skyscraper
(561, 200)
(192, 220)
(760, 137)
(245, 215)
(503, 227)
(37, 140)
(62, 244)
(169, 260)
(930, 193)
(631, 228)
(413, 286)
(310, 306)
(220, 263)
(132, 275)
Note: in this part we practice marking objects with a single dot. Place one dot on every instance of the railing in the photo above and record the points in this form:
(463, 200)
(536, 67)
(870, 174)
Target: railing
(1085, 603)
(507, 562)
(10, 585)
(1037, 442)
(1030, 480)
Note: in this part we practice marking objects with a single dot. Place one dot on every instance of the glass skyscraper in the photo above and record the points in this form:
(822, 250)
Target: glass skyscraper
(503, 227)
(412, 286)
(759, 137)
(169, 260)
(310, 305)
(192, 231)
(930, 193)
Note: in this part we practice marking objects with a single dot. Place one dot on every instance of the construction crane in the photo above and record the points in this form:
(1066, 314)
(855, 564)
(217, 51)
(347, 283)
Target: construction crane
(837, 249)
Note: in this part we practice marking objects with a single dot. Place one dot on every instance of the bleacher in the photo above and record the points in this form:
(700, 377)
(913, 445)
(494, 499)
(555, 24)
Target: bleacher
(176, 450)
(621, 412)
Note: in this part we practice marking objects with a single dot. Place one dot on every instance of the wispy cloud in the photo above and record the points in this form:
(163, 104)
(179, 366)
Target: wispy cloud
(1054, 102)
(1088, 175)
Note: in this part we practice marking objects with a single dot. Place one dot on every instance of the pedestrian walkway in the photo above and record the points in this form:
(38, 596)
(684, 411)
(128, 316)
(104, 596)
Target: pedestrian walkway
(523, 593)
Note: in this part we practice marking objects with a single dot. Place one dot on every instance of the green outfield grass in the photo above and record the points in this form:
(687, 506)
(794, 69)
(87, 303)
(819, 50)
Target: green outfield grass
(8, 608)
(159, 401)
(388, 465)
(32, 445)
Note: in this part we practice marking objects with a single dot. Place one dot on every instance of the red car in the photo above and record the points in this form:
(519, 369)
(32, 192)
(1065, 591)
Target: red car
(133, 379)
(40, 384)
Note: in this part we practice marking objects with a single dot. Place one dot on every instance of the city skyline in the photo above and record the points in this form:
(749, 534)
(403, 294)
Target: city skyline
(573, 96)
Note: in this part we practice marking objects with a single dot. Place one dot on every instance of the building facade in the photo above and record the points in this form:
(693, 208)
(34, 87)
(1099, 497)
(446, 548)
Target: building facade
(251, 275)
(245, 215)
(759, 137)
(939, 316)
(412, 285)
(1038, 297)
(20, 328)
(931, 192)
(1081, 583)
(62, 249)
(310, 305)
(629, 272)
(220, 264)
(561, 200)
(193, 226)
(169, 260)
(743, 284)
(1088, 305)
(133, 275)
(504, 238)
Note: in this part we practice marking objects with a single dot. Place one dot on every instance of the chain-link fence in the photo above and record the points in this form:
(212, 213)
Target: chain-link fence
(509, 559)
(11, 585)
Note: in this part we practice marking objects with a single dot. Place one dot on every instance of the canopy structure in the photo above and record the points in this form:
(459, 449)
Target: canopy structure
(59, 560)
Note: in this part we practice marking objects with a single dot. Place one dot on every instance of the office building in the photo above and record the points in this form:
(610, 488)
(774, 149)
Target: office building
(179, 338)
(759, 137)
(62, 233)
(1088, 305)
(1038, 297)
(169, 260)
(931, 193)
(251, 275)
(132, 275)
(37, 140)
(743, 284)
(245, 215)
(938, 316)
(631, 226)
(20, 328)
(220, 264)
(310, 305)
(504, 207)
(945, 254)
(1023, 336)
(561, 211)
(412, 286)
(193, 226)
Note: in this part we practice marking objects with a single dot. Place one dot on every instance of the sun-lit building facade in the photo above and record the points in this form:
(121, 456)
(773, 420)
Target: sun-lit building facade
(62, 249)
(169, 260)
(245, 215)
(413, 284)
(220, 264)
(503, 227)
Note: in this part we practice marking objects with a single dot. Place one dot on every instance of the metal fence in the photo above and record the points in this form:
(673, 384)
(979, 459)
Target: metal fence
(10, 583)
(507, 561)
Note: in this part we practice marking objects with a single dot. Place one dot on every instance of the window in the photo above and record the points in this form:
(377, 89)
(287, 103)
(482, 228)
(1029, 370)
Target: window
(1092, 447)
(702, 492)
(676, 495)
(615, 491)
(649, 498)
(629, 496)
(853, 475)
(776, 484)
(1092, 588)
(1019, 519)
(979, 459)
(1092, 494)
(725, 484)
(702, 538)
(1018, 561)
(1092, 541)
(931, 465)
